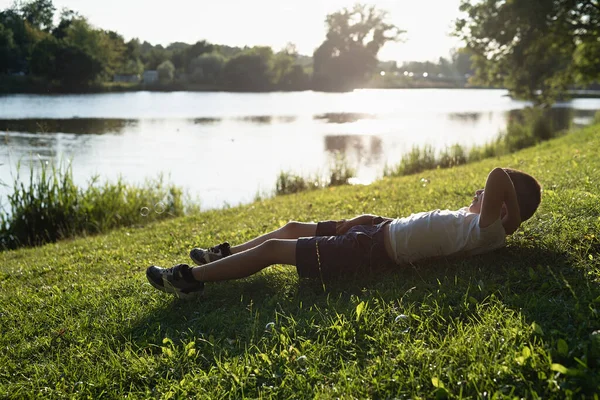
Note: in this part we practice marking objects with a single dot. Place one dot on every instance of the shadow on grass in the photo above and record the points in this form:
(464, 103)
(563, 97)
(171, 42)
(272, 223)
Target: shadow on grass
(544, 285)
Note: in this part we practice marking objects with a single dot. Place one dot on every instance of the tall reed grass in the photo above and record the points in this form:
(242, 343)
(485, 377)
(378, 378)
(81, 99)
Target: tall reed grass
(525, 128)
(340, 173)
(52, 207)
(417, 160)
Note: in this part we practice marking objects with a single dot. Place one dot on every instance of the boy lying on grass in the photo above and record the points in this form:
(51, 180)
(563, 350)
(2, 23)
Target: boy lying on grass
(330, 249)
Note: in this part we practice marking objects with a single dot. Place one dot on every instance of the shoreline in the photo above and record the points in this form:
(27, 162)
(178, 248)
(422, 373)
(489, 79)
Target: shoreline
(31, 85)
(121, 88)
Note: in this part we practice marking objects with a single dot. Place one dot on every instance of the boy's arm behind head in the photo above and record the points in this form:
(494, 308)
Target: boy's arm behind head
(499, 191)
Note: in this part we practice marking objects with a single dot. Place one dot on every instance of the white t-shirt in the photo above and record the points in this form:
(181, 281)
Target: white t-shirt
(443, 233)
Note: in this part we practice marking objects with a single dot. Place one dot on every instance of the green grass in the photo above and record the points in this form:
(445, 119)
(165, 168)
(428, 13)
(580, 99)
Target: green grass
(79, 320)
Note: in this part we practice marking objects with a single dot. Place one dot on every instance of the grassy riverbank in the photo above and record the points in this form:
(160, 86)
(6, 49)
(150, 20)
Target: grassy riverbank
(79, 320)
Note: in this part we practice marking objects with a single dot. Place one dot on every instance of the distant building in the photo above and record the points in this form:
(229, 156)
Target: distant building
(150, 76)
(126, 78)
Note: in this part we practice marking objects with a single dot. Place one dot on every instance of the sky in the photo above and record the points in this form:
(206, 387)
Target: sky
(268, 22)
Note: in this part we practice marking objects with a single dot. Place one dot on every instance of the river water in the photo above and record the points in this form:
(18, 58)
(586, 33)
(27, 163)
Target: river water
(225, 148)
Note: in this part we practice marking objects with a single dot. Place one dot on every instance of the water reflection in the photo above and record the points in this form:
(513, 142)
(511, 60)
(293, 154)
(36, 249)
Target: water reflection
(343, 118)
(267, 119)
(358, 149)
(257, 119)
(24, 147)
(466, 117)
(206, 121)
(559, 118)
(78, 126)
(583, 117)
(99, 126)
(286, 119)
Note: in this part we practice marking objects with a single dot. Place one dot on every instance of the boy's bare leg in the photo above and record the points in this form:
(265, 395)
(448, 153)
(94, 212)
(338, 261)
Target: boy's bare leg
(248, 262)
(291, 230)
(295, 230)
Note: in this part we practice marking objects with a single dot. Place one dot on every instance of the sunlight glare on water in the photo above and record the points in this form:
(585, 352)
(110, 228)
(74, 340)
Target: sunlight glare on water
(225, 148)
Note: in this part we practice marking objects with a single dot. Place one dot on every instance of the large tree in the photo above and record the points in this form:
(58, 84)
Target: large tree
(39, 14)
(61, 61)
(67, 16)
(8, 60)
(536, 49)
(153, 56)
(207, 68)
(183, 54)
(252, 69)
(132, 63)
(166, 72)
(108, 47)
(24, 38)
(348, 56)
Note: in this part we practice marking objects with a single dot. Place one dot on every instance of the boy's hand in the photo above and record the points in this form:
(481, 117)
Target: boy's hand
(499, 190)
(366, 219)
(349, 223)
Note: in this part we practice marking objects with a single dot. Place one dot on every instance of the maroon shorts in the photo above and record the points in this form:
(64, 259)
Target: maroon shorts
(327, 255)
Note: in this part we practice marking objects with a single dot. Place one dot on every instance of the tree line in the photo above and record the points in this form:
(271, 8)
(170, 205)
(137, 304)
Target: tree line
(537, 50)
(73, 54)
